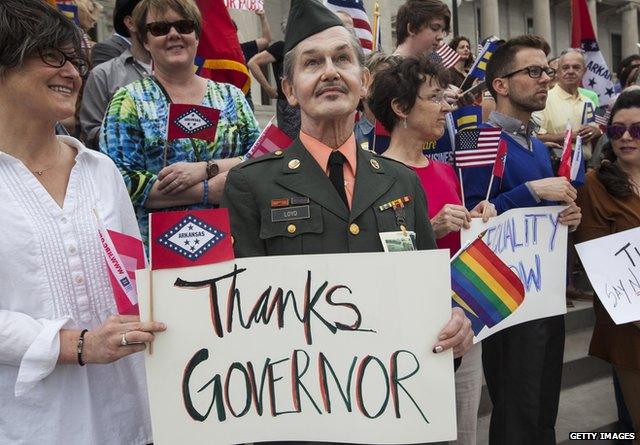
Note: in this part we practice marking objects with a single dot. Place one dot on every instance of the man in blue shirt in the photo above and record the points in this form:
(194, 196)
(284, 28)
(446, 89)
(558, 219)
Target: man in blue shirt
(523, 363)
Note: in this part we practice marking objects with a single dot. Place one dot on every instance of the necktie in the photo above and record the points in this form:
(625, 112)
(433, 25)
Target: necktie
(336, 174)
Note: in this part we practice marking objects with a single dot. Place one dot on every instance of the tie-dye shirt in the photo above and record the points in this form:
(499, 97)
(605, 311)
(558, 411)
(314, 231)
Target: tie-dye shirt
(133, 134)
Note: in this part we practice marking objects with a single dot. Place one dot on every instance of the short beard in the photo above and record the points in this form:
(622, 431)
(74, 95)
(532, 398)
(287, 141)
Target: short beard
(526, 105)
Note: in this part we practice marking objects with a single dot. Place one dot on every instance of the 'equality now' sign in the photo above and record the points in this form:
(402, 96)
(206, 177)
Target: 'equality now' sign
(533, 243)
(317, 347)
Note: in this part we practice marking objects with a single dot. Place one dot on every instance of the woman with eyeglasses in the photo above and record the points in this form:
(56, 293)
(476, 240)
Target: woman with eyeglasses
(610, 203)
(68, 369)
(408, 100)
(186, 172)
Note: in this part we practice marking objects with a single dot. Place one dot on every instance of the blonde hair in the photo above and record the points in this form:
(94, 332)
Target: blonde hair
(185, 8)
(89, 8)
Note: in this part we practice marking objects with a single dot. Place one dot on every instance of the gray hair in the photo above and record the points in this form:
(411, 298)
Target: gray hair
(290, 57)
(30, 26)
(571, 51)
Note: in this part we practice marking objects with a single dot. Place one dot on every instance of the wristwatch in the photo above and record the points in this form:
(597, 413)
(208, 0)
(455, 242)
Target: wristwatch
(212, 169)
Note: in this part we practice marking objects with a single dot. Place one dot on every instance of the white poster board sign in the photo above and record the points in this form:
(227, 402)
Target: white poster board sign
(247, 5)
(533, 243)
(612, 264)
(331, 348)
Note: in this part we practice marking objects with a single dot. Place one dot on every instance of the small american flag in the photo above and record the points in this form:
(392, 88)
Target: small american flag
(477, 148)
(355, 8)
(601, 115)
(448, 56)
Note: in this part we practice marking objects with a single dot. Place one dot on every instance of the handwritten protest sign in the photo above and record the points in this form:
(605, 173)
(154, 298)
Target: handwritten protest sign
(534, 245)
(612, 264)
(320, 347)
(248, 5)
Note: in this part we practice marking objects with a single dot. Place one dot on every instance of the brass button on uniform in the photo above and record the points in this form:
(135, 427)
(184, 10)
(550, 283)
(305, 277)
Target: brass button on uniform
(278, 152)
(375, 164)
(294, 163)
(291, 228)
(354, 229)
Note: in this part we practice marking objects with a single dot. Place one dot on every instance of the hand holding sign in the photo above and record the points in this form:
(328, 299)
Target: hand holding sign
(554, 189)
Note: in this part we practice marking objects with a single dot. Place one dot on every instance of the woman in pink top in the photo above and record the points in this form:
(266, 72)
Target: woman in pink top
(407, 100)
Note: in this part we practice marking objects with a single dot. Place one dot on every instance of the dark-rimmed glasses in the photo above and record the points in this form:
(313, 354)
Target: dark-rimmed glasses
(618, 130)
(158, 29)
(534, 71)
(56, 58)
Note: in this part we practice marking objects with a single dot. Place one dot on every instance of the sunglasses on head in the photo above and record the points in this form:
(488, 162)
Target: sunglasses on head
(616, 131)
(158, 29)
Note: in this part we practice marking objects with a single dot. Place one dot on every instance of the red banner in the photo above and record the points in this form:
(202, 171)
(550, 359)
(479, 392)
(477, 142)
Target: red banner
(219, 56)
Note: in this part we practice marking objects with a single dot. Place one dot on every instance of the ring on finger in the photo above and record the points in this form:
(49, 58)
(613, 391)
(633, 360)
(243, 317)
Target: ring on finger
(123, 340)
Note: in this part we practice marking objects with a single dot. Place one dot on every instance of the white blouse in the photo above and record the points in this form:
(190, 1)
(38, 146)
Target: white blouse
(53, 276)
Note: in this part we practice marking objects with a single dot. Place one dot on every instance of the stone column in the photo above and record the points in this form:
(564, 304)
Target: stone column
(489, 19)
(594, 15)
(542, 19)
(629, 29)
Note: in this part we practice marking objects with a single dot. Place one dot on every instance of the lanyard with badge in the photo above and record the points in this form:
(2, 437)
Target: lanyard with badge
(402, 240)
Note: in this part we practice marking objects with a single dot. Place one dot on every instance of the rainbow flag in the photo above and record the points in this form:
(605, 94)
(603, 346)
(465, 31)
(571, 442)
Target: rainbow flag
(484, 286)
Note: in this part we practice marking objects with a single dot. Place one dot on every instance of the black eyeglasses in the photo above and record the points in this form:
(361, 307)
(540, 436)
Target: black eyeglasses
(617, 131)
(158, 29)
(534, 71)
(56, 59)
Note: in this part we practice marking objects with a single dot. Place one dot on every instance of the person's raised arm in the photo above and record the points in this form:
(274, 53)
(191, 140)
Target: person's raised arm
(263, 41)
(255, 64)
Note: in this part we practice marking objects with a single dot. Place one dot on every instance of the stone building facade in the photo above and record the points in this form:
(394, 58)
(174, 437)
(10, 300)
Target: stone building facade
(616, 22)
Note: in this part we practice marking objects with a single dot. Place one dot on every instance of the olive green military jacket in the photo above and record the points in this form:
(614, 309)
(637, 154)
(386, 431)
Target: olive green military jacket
(285, 204)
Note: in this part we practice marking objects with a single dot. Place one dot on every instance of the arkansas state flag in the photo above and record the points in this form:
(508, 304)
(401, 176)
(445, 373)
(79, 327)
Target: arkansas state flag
(272, 139)
(219, 56)
(189, 238)
(567, 151)
(192, 121)
(124, 254)
(597, 77)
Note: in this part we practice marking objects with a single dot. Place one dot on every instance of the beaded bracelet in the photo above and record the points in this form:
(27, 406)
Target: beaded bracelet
(205, 193)
(80, 346)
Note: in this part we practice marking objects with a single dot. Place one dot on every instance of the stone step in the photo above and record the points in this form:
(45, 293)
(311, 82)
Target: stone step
(580, 316)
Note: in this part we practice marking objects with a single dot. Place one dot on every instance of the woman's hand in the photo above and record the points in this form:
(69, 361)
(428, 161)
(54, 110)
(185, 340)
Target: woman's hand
(571, 216)
(178, 177)
(484, 210)
(450, 218)
(104, 344)
(456, 334)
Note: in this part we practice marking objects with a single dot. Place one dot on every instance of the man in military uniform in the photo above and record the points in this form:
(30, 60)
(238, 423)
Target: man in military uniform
(322, 195)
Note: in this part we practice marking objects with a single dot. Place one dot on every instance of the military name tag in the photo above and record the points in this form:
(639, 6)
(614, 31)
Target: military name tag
(290, 214)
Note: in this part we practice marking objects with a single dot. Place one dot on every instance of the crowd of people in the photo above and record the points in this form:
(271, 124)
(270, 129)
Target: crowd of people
(70, 368)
